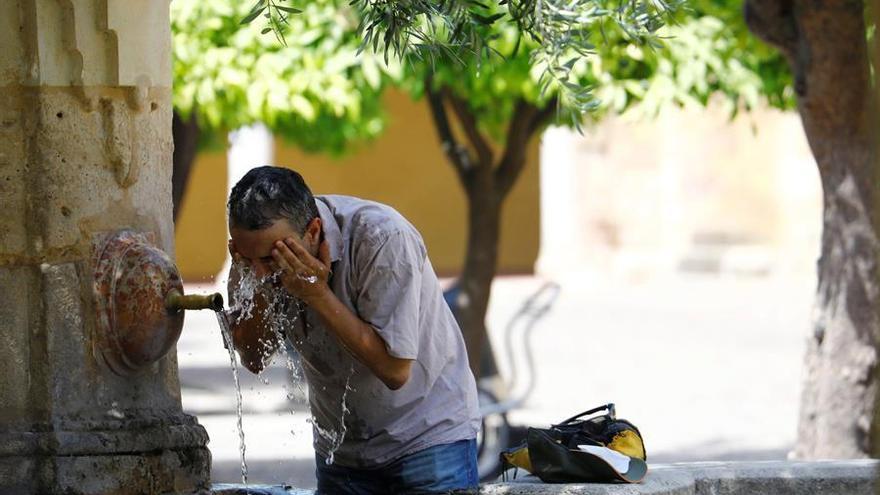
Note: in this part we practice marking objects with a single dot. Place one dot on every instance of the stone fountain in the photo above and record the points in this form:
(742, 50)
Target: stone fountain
(90, 303)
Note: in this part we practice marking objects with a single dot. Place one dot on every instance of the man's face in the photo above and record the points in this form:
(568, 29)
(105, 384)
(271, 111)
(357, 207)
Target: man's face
(255, 246)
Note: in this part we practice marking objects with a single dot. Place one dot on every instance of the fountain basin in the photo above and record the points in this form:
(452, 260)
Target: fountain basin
(852, 477)
(139, 301)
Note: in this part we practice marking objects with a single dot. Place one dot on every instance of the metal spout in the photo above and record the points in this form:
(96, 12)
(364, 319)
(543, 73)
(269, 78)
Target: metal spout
(175, 301)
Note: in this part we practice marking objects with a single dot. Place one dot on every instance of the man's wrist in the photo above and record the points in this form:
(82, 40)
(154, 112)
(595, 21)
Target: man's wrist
(320, 298)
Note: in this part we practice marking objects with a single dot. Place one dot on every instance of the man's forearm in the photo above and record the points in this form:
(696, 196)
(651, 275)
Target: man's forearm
(361, 340)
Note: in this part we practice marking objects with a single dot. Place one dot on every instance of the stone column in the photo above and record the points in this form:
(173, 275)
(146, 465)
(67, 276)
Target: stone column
(85, 148)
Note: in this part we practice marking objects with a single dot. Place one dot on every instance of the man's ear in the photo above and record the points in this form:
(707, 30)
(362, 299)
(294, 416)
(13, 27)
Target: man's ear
(313, 229)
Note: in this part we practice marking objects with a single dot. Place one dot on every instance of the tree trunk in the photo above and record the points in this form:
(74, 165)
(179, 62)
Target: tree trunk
(837, 406)
(486, 182)
(480, 265)
(824, 42)
(186, 138)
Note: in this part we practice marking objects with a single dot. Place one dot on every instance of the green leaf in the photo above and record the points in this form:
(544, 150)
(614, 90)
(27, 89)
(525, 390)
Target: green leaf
(487, 20)
(253, 14)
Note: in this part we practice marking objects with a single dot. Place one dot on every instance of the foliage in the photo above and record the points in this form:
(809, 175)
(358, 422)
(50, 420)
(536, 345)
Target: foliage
(593, 56)
(463, 32)
(315, 90)
(701, 55)
(318, 81)
(754, 55)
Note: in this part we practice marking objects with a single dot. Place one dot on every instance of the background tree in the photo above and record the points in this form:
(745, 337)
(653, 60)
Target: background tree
(499, 105)
(315, 90)
(493, 75)
(826, 46)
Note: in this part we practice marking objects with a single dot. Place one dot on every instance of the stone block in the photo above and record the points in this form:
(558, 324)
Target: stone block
(164, 459)
(100, 170)
(17, 475)
(136, 24)
(852, 477)
(12, 61)
(13, 169)
(17, 287)
(167, 472)
(656, 483)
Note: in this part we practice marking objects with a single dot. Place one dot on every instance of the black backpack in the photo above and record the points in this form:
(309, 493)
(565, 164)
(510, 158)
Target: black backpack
(595, 449)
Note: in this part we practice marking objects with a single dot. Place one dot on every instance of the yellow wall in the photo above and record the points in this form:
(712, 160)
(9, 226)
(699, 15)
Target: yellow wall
(405, 168)
(200, 231)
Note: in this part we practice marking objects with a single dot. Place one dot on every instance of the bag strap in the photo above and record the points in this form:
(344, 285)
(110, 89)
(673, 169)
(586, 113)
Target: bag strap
(609, 407)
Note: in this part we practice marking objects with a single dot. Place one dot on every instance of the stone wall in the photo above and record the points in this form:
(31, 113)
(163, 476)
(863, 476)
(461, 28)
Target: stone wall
(693, 191)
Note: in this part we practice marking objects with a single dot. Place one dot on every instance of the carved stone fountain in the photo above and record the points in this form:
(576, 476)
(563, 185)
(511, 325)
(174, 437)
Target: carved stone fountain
(139, 302)
(90, 303)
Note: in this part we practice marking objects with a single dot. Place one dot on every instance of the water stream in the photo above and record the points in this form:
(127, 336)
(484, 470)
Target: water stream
(340, 434)
(227, 338)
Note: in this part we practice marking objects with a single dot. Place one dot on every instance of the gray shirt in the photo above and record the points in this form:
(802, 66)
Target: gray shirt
(382, 273)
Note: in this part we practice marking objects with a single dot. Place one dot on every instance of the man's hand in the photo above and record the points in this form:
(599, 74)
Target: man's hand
(303, 275)
(236, 257)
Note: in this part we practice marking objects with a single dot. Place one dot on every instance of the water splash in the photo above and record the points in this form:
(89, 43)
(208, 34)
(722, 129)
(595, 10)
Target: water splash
(227, 338)
(285, 319)
(243, 300)
(336, 437)
(281, 314)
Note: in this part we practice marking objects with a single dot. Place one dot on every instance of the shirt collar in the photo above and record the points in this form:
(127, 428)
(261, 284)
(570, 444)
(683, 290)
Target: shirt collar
(331, 229)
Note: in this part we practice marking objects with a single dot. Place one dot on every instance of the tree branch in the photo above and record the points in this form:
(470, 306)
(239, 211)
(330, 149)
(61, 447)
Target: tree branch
(469, 124)
(527, 119)
(458, 155)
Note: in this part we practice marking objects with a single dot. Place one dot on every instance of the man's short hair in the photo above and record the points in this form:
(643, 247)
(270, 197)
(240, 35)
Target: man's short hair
(266, 194)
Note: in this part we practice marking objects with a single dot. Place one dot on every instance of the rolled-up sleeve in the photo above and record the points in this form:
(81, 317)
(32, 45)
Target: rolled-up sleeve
(388, 284)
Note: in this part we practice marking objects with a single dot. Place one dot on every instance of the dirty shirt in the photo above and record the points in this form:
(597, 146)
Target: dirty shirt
(381, 272)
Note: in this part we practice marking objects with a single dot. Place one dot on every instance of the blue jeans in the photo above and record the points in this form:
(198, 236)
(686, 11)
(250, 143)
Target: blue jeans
(449, 468)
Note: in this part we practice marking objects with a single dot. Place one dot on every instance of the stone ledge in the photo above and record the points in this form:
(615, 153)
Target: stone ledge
(129, 438)
(665, 482)
(853, 477)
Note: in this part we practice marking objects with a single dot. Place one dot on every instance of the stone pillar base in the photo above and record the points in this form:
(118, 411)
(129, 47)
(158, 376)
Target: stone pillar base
(135, 458)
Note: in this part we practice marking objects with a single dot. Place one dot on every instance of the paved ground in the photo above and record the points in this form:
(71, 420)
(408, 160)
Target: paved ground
(708, 368)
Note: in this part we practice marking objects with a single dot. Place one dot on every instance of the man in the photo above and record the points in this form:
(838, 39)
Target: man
(392, 397)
